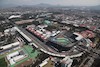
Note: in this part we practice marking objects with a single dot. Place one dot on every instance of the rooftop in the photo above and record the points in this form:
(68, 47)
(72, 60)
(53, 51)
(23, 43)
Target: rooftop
(31, 56)
(49, 64)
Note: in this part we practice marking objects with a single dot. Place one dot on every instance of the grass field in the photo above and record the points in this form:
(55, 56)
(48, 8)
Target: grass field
(3, 63)
(29, 50)
(63, 41)
(31, 55)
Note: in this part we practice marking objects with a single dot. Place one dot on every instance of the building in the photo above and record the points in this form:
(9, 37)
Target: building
(16, 56)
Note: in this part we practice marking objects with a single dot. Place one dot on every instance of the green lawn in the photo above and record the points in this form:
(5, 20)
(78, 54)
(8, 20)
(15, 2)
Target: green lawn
(3, 63)
(28, 50)
(64, 41)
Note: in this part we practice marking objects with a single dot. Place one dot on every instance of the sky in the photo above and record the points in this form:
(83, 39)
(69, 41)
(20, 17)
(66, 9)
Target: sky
(52, 2)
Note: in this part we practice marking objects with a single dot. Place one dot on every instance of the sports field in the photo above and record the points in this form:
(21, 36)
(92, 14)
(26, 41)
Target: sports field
(63, 41)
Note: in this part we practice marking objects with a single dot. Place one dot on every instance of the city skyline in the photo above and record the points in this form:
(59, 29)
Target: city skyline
(51, 2)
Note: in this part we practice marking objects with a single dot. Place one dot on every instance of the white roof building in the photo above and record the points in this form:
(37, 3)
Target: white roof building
(15, 57)
(79, 36)
(10, 45)
(15, 16)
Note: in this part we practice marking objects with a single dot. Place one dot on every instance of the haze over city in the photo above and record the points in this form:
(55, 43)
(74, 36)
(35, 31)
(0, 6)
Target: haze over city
(52, 2)
(49, 33)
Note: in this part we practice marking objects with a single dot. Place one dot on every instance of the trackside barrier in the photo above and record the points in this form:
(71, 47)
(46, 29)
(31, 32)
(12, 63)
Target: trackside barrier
(52, 53)
(24, 35)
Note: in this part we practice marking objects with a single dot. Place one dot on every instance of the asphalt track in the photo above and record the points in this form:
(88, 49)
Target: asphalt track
(43, 47)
